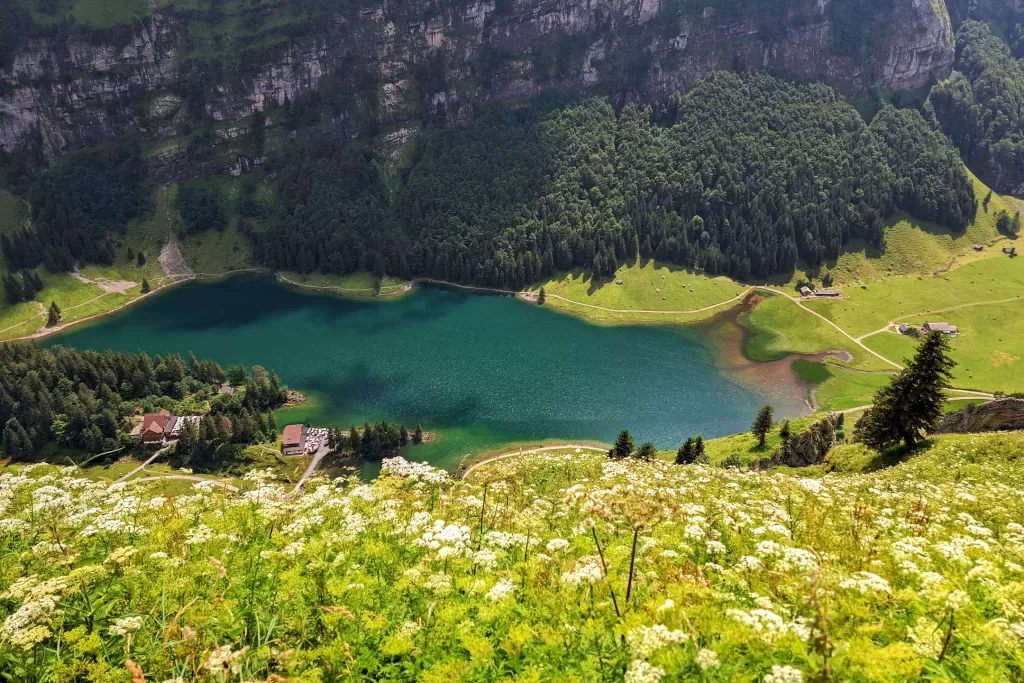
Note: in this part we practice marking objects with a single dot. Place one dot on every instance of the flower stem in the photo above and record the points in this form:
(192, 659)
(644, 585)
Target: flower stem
(604, 566)
(632, 563)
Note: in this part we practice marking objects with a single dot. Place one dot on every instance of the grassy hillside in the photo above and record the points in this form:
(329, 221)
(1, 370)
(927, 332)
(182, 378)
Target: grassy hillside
(638, 289)
(558, 566)
(209, 253)
(988, 350)
(914, 247)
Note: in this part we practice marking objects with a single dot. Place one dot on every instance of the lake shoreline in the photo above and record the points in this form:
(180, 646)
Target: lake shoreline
(408, 288)
(726, 356)
(484, 372)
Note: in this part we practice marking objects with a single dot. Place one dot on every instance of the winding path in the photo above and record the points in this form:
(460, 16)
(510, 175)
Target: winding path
(317, 457)
(141, 467)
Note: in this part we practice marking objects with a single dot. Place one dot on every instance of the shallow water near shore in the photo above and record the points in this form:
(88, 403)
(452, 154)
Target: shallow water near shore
(481, 371)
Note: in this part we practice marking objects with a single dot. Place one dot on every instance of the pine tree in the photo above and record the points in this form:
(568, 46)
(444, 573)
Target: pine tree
(700, 453)
(686, 454)
(145, 286)
(417, 436)
(28, 286)
(16, 442)
(1003, 222)
(542, 297)
(13, 290)
(623, 447)
(354, 440)
(647, 451)
(785, 431)
(404, 435)
(762, 424)
(692, 452)
(912, 401)
(54, 315)
(141, 259)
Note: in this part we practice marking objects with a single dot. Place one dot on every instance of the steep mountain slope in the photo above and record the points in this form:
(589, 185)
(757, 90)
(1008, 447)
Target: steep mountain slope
(74, 73)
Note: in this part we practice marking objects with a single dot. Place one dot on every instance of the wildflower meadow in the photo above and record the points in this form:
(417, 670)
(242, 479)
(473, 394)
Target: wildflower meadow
(545, 567)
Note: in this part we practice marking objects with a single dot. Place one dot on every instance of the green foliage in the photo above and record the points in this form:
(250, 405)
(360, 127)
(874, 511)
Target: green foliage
(53, 315)
(334, 216)
(762, 424)
(200, 208)
(82, 400)
(692, 452)
(416, 576)
(76, 204)
(929, 181)
(145, 286)
(913, 401)
(647, 451)
(739, 176)
(981, 106)
(623, 447)
(236, 374)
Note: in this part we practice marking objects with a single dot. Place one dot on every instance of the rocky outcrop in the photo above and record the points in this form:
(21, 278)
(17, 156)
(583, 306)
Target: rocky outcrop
(1002, 414)
(66, 94)
(807, 448)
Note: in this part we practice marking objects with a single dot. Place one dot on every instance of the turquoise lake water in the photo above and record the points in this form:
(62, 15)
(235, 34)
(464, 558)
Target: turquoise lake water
(481, 371)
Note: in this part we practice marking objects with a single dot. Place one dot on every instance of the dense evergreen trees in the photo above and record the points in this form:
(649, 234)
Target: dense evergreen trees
(82, 400)
(739, 176)
(200, 208)
(22, 288)
(372, 442)
(981, 107)
(692, 451)
(334, 216)
(75, 205)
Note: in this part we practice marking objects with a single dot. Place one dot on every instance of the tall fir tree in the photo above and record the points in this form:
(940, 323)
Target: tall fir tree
(53, 316)
(623, 447)
(762, 424)
(912, 401)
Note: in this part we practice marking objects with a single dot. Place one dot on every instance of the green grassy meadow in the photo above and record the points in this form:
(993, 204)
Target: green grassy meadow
(352, 285)
(647, 287)
(835, 388)
(989, 351)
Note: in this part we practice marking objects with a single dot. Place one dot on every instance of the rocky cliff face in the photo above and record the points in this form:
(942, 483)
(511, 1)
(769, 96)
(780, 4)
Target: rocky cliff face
(63, 95)
(1004, 414)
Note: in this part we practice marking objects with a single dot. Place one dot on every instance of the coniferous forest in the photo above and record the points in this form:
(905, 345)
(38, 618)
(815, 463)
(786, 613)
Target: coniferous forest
(981, 106)
(82, 400)
(742, 176)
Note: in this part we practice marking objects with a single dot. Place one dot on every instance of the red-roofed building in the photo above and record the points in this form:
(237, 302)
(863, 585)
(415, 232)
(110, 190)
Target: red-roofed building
(293, 440)
(154, 425)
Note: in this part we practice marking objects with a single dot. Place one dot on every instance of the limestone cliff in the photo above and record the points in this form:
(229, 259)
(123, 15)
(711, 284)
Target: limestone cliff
(416, 58)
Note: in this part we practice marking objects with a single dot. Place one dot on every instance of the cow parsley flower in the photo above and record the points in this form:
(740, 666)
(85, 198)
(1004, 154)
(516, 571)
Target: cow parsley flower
(646, 640)
(122, 627)
(707, 659)
(501, 590)
(784, 674)
(640, 671)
